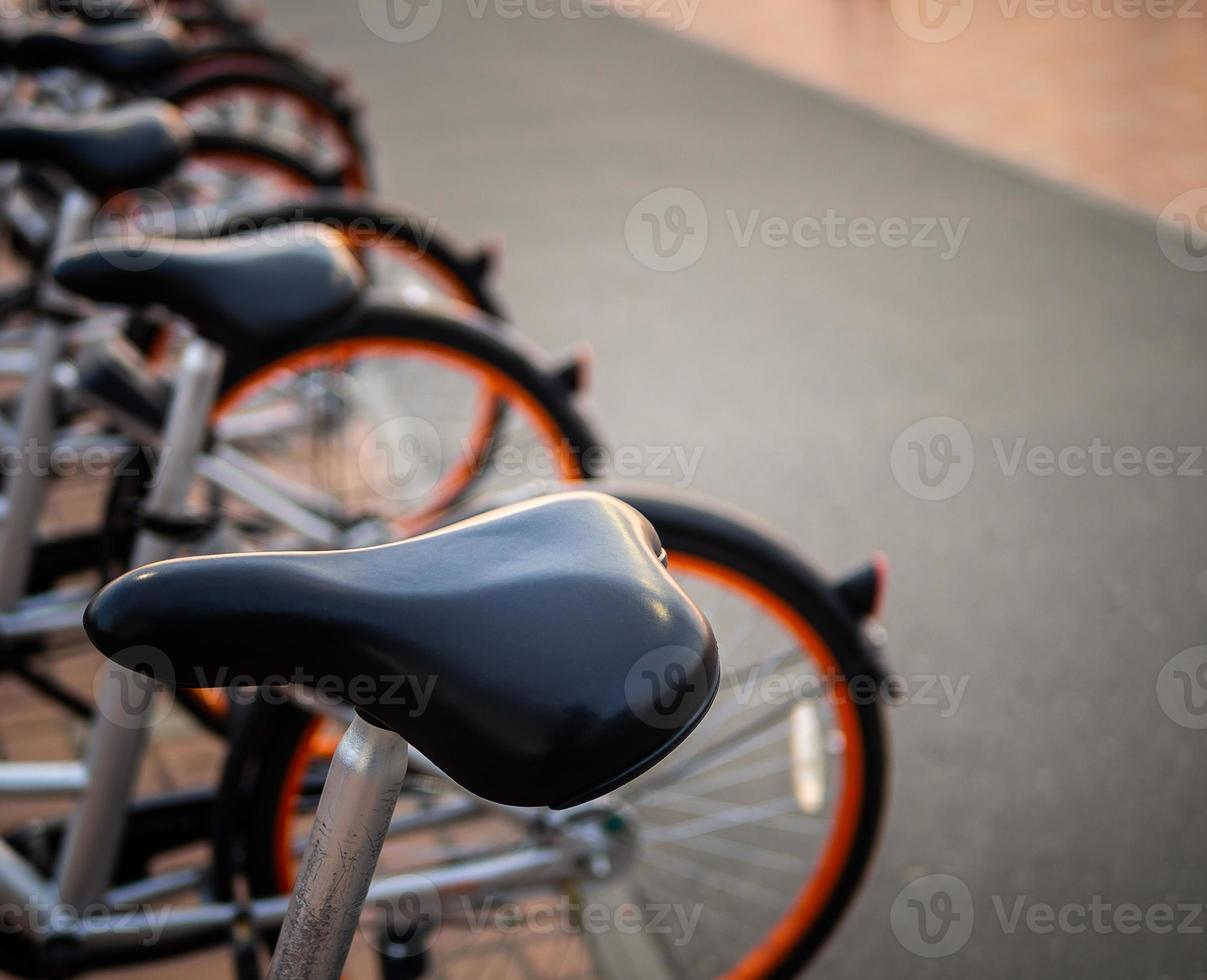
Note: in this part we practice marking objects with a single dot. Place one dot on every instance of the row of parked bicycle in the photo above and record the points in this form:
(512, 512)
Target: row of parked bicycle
(215, 340)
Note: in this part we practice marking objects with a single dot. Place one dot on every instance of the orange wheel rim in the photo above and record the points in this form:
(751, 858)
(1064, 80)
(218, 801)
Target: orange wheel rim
(487, 408)
(811, 900)
(412, 255)
(495, 385)
(352, 172)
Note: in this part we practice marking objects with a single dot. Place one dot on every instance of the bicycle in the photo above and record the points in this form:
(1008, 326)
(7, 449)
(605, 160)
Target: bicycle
(571, 740)
(821, 757)
(234, 83)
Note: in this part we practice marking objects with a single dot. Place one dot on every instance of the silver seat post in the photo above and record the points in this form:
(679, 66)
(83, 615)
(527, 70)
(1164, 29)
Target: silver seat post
(119, 727)
(26, 488)
(77, 212)
(345, 842)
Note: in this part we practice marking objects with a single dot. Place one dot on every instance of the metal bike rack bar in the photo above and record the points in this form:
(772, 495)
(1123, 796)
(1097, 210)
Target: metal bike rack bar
(42, 779)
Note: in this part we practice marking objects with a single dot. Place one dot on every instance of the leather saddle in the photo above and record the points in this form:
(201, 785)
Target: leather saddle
(134, 145)
(238, 291)
(540, 654)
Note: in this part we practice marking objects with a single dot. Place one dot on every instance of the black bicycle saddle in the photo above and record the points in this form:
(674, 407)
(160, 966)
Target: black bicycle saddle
(558, 656)
(239, 290)
(133, 145)
(116, 52)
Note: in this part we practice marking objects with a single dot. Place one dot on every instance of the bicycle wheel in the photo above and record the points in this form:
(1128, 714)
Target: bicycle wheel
(259, 96)
(751, 837)
(221, 174)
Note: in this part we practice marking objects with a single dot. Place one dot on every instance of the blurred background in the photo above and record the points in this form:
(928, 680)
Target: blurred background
(928, 277)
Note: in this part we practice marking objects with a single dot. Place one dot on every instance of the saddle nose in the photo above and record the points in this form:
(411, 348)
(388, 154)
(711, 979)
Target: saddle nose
(540, 655)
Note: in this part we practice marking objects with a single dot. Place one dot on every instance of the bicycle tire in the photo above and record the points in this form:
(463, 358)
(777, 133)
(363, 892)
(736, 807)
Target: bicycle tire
(230, 70)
